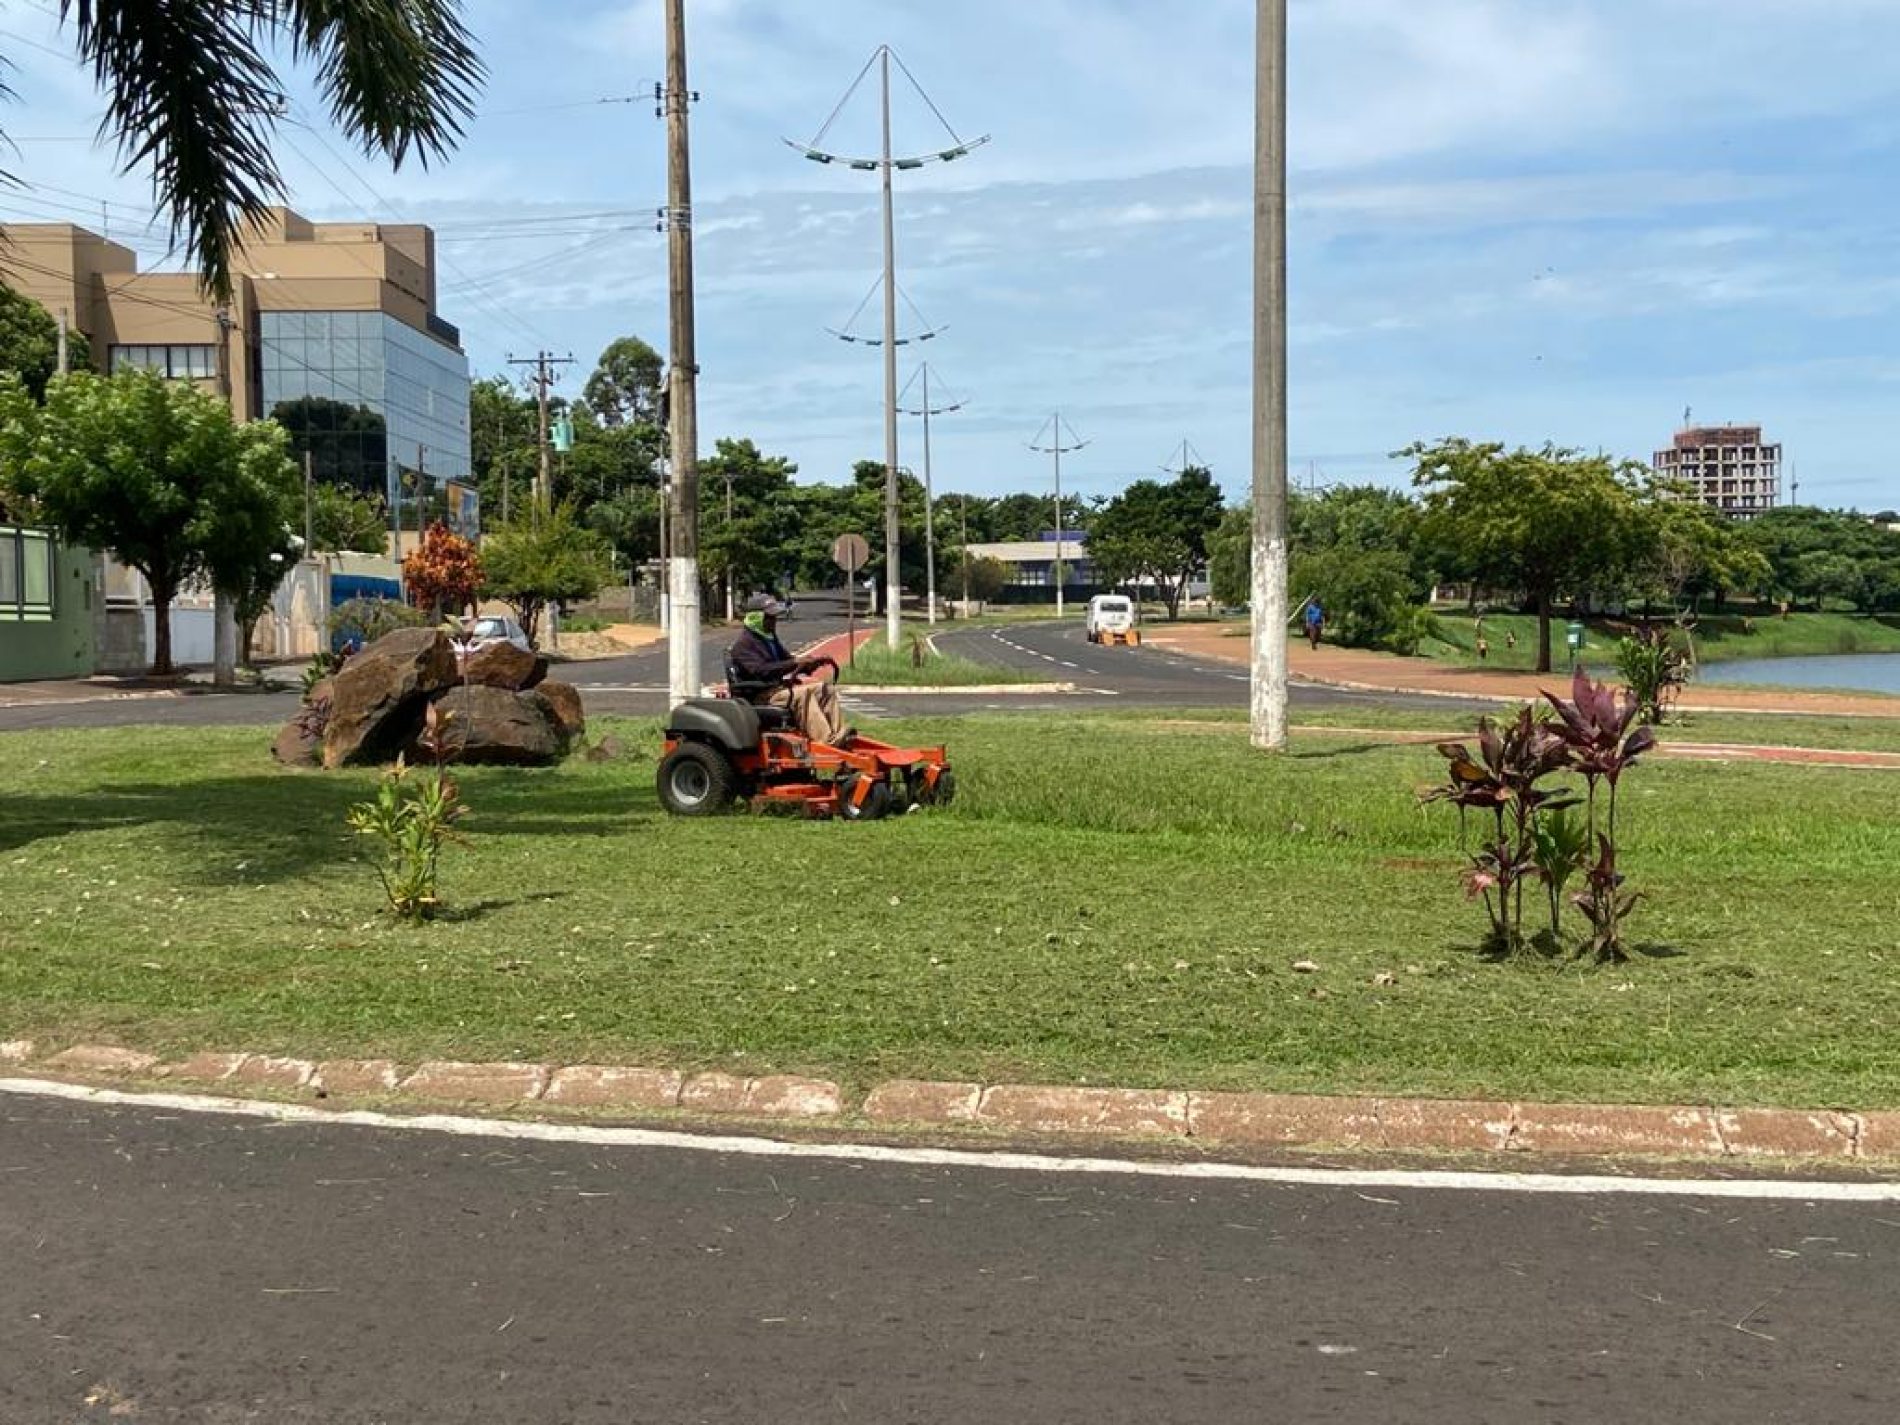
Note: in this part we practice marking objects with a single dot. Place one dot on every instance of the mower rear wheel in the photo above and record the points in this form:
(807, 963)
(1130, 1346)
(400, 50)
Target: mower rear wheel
(696, 780)
(941, 795)
(877, 798)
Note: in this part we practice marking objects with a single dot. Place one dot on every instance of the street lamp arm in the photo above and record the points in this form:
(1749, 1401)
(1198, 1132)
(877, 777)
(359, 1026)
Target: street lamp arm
(876, 165)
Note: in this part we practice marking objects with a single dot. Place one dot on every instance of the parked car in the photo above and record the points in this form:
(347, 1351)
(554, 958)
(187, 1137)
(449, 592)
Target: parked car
(491, 629)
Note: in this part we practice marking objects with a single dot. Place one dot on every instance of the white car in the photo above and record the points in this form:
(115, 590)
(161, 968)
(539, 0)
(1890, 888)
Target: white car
(491, 629)
(1112, 620)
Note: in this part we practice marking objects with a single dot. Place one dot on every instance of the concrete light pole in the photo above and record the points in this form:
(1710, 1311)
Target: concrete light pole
(886, 165)
(682, 633)
(1057, 449)
(1267, 704)
(930, 507)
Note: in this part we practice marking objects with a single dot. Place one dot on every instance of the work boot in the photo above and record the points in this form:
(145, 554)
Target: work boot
(846, 737)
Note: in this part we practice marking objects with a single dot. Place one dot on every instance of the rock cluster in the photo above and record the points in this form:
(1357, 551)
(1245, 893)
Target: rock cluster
(499, 706)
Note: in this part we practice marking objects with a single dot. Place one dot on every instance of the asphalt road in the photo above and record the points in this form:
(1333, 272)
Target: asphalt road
(162, 1267)
(635, 685)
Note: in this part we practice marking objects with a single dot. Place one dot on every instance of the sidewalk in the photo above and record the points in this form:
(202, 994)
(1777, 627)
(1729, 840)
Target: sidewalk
(1388, 672)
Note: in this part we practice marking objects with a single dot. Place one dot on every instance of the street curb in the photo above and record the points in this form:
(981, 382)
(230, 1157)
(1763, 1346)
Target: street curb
(1217, 1120)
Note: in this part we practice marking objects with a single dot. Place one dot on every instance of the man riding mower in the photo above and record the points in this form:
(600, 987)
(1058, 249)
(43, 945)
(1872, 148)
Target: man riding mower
(777, 738)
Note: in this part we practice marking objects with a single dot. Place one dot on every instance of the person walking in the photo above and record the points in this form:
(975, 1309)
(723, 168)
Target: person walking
(1315, 622)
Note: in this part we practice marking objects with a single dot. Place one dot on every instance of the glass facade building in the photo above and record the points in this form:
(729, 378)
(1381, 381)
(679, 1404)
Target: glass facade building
(370, 397)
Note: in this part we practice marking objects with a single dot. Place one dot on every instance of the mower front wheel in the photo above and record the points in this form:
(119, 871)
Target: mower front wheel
(876, 802)
(696, 780)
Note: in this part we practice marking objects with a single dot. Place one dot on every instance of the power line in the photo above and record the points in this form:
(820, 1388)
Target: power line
(495, 307)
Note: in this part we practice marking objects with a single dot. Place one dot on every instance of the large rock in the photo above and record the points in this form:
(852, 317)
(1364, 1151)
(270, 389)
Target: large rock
(502, 665)
(300, 744)
(565, 701)
(499, 726)
(378, 696)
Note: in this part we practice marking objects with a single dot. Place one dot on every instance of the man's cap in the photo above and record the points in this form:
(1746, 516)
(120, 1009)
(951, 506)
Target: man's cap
(767, 605)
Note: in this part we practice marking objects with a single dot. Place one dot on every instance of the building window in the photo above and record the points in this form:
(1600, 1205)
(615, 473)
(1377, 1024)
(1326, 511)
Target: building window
(26, 575)
(179, 363)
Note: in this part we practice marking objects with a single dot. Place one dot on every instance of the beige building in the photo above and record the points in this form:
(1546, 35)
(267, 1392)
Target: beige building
(331, 328)
(1730, 468)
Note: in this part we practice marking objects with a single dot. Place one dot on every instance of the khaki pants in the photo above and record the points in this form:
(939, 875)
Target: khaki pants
(814, 707)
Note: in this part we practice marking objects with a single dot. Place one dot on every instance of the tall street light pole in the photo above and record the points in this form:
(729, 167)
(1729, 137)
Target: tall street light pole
(682, 633)
(886, 165)
(1267, 703)
(1056, 448)
(893, 573)
(930, 497)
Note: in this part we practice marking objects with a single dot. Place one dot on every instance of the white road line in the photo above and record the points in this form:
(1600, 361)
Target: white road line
(1763, 1190)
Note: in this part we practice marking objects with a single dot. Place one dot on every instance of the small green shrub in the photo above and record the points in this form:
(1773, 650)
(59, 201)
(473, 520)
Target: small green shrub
(411, 818)
(363, 621)
(1653, 670)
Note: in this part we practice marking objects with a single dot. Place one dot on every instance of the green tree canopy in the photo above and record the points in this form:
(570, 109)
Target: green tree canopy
(1157, 533)
(342, 521)
(155, 472)
(29, 342)
(1548, 523)
(626, 384)
(542, 558)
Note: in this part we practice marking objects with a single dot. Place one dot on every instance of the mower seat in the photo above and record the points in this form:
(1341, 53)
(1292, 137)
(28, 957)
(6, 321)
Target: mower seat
(753, 694)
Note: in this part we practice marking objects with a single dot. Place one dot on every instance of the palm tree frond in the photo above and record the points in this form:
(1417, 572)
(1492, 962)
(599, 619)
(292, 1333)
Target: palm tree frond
(188, 92)
(399, 74)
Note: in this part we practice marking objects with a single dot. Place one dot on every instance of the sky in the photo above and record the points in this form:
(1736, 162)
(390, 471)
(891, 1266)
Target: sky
(1568, 221)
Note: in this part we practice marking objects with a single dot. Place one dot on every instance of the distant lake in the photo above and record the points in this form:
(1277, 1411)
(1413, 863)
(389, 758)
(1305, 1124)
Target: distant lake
(1870, 672)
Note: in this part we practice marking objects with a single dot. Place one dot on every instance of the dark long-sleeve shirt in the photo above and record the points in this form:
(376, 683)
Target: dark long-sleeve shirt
(761, 658)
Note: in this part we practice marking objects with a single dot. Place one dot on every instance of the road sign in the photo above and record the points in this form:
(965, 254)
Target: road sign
(849, 551)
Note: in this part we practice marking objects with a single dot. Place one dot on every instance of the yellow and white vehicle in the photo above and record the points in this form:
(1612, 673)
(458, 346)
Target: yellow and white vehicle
(1112, 620)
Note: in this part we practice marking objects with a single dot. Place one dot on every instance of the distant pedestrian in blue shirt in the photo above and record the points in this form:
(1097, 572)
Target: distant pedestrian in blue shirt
(1315, 621)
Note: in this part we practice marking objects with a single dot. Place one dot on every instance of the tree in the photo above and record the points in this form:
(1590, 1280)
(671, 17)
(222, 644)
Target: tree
(242, 528)
(1367, 595)
(1230, 557)
(1544, 522)
(626, 385)
(503, 428)
(543, 558)
(190, 90)
(343, 521)
(136, 465)
(29, 343)
(984, 579)
(1157, 533)
(443, 573)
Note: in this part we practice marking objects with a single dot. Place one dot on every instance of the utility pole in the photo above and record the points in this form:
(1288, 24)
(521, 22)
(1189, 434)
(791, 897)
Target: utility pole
(422, 493)
(542, 379)
(1267, 703)
(886, 165)
(60, 365)
(682, 634)
(309, 514)
(930, 498)
(1056, 448)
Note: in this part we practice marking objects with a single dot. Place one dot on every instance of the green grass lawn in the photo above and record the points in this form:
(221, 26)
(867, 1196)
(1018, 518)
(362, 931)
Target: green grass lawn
(1718, 638)
(1111, 900)
(877, 665)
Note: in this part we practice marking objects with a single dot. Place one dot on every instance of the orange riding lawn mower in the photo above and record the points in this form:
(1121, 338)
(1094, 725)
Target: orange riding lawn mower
(727, 748)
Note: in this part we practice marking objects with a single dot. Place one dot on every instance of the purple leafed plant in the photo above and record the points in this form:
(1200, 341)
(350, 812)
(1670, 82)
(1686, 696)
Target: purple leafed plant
(1601, 739)
(1512, 758)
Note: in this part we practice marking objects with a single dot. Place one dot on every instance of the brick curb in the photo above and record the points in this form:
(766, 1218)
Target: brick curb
(1233, 1120)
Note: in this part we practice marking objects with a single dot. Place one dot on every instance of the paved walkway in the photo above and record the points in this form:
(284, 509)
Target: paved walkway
(1387, 672)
